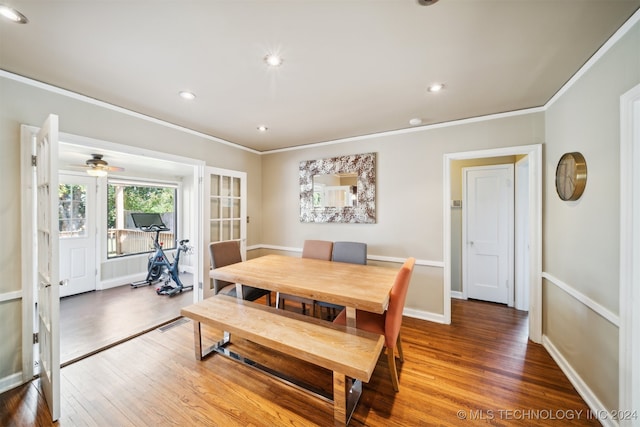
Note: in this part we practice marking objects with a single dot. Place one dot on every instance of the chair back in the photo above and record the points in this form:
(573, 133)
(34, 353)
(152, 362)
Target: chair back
(222, 254)
(317, 249)
(351, 252)
(393, 315)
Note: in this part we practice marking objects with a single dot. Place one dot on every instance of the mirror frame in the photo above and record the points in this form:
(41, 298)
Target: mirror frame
(364, 165)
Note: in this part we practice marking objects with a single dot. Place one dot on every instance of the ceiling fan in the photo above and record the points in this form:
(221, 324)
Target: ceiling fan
(95, 166)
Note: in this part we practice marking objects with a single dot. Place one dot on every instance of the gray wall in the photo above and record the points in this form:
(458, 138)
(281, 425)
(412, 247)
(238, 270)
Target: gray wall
(581, 239)
(409, 194)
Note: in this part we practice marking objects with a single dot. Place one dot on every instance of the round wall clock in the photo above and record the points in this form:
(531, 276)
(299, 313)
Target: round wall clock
(571, 176)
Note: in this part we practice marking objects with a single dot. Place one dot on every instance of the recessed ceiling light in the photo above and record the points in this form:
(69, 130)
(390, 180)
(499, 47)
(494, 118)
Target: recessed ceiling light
(273, 60)
(185, 94)
(12, 14)
(436, 87)
(415, 121)
(263, 128)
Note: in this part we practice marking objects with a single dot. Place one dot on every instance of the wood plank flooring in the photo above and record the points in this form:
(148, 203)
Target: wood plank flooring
(92, 321)
(479, 370)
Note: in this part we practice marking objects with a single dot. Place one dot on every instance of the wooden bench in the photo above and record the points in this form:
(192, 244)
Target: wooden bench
(348, 352)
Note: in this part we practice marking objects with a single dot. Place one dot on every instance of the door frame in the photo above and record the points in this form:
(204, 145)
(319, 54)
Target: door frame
(465, 230)
(521, 234)
(27, 204)
(534, 154)
(629, 345)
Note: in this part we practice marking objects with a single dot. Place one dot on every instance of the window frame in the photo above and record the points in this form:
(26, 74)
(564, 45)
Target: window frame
(141, 183)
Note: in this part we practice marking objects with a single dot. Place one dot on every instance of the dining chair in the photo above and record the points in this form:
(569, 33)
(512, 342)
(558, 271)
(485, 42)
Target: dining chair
(389, 322)
(349, 252)
(227, 253)
(315, 249)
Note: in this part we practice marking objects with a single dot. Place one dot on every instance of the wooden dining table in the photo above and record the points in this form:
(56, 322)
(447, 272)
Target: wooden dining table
(353, 286)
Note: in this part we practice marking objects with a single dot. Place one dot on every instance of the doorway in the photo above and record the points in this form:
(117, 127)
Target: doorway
(487, 233)
(77, 225)
(533, 227)
(106, 272)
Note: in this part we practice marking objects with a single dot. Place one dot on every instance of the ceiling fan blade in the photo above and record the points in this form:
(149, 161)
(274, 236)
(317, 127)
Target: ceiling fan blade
(107, 168)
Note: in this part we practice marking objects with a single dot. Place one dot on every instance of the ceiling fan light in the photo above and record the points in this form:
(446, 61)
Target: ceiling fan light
(97, 172)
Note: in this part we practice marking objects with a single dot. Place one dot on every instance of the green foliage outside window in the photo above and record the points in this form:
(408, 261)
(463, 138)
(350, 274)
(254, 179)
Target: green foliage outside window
(123, 237)
(140, 199)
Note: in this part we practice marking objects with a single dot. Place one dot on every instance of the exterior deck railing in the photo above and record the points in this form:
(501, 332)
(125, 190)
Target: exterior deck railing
(126, 241)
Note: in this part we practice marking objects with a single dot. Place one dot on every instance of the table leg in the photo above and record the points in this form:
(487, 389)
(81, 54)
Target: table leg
(239, 291)
(197, 338)
(339, 399)
(351, 317)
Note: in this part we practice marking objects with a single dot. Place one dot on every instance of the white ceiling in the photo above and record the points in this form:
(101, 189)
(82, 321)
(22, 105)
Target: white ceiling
(73, 155)
(351, 67)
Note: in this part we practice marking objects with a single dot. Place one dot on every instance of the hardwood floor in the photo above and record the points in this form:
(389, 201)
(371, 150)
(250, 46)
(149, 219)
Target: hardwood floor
(92, 321)
(479, 370)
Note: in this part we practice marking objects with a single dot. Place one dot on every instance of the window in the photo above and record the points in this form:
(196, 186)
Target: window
(72, 202)
(126, 197)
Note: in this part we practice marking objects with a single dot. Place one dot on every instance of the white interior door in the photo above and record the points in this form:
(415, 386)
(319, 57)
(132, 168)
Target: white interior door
(488, 233)
(47, 263)
(225, 213)
(76, 225)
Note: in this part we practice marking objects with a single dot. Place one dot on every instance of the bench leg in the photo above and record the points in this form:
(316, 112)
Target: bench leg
(351, 317)
(197, 339)
(339, 399)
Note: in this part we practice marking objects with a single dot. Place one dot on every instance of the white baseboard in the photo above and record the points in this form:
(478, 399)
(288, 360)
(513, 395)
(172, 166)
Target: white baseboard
(12, 381)
(581, 387)
(119, 281)
(423, 315)
(457, 295)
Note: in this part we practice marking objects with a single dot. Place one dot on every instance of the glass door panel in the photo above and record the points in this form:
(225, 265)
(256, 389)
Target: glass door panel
(227, 210)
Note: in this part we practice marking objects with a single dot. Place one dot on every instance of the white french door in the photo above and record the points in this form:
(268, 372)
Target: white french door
(488, 195)
(77, 229)
(48, 279)
(225, 214)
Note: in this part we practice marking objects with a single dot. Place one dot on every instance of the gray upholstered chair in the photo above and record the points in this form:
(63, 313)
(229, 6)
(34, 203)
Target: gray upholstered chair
(351, 252)
(227, 253)
(315, 249)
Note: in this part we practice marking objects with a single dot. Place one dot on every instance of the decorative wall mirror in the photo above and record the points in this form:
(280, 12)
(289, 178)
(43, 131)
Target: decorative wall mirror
(339, 189)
